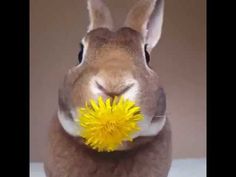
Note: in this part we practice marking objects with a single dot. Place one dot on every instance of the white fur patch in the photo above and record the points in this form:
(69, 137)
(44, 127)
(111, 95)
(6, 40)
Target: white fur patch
(93, 86)
(149, 128)
(155, 127)
(68, 125)
(132, 92)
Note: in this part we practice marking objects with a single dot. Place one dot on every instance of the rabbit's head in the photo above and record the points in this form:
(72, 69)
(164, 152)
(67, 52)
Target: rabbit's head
(114, 63)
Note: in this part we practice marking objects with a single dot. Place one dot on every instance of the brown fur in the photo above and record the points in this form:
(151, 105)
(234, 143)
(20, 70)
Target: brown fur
(68, 157)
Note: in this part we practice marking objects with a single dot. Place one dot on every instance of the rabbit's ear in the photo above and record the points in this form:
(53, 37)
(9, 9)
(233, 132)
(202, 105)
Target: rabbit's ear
(146, 17)
(99, 14)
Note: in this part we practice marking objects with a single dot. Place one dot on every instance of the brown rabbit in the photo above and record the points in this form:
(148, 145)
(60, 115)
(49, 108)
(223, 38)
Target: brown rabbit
(114, 63)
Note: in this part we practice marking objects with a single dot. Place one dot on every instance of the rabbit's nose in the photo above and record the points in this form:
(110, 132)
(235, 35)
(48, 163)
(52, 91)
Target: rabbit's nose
(127, 87)
(112, 94)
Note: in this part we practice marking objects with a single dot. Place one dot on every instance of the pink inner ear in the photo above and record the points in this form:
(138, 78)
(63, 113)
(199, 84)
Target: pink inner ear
(154, 25)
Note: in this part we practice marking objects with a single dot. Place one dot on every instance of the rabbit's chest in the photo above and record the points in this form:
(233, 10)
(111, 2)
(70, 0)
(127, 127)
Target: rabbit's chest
(68, 159)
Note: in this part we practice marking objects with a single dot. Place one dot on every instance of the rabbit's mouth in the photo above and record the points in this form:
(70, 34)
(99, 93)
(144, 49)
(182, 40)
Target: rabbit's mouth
(151, 128)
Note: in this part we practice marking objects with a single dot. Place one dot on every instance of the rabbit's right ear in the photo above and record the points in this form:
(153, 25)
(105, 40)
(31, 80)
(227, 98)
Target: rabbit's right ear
(99, 14)
(146, 17)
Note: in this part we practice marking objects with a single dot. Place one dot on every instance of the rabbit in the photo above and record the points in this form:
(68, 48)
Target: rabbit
(114, 63)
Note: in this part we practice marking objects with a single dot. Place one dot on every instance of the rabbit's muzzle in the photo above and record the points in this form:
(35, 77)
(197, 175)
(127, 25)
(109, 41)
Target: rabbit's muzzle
(109, 88)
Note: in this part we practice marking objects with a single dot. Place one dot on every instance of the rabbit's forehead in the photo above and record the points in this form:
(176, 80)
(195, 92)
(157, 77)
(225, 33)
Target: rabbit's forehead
(123, 37)
(124, 45)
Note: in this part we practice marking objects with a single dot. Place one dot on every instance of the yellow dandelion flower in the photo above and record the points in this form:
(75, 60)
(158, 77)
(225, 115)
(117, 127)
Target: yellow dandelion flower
(105, 124)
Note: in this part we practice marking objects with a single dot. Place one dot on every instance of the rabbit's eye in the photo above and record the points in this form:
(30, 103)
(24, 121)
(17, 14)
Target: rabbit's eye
(80, 56)
(147, 55)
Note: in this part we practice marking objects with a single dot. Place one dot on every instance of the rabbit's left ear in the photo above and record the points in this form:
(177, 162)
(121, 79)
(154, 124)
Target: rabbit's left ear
(99, 14)
(146, 17)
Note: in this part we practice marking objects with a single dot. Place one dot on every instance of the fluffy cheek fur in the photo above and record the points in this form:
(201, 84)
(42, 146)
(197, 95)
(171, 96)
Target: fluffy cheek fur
(143, 92)
(80, 93)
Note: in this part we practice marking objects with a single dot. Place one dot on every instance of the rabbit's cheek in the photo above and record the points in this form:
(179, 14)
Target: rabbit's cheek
(144, 125)
(149, 127)
(67, 124)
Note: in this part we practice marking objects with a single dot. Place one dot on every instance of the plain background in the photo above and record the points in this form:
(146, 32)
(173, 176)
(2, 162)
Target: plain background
(56, 28)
